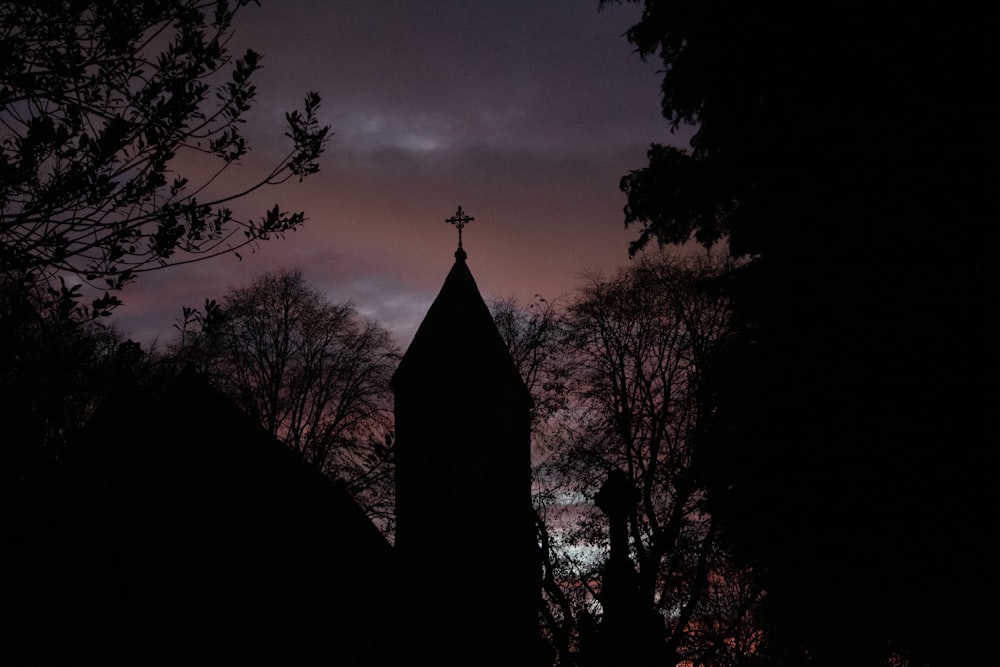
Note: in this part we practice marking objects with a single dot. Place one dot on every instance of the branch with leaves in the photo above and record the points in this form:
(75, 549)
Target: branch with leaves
(100, 104)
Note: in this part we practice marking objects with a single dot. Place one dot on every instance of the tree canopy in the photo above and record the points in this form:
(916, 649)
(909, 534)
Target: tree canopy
(104, 105)
(54, 369)
(844, 150)
(615, 371)
(315, 374)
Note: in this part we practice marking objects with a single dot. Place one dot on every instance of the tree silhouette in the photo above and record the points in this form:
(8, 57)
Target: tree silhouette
(102, 105)
(845, 155)
(630, 351)
(54, 369)
(535, 337)
(313, 373)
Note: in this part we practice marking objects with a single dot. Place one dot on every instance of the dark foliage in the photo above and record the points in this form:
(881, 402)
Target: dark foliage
(54, 367)
(102, 104)
(844, 148)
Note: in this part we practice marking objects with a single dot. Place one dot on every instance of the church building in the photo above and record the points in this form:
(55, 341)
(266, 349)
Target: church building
(176, 530)
(465, 534)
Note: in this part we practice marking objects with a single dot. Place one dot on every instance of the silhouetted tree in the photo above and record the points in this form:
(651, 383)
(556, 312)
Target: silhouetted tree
(535, 335)
(55, 366)
(315, 374)
(104, 106)
(631, 351)
(844, 151)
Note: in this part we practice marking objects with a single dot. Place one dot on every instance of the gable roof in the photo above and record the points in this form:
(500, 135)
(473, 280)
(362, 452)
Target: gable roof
(176, 526)
(189, 434)
(457, 343)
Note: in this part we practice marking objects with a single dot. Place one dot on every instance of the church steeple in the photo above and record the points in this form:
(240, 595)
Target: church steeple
(464, 525)
(458, 343)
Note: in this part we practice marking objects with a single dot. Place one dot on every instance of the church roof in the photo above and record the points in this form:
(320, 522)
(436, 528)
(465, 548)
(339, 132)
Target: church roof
(194, 531)
(458, 343)
(143, 443)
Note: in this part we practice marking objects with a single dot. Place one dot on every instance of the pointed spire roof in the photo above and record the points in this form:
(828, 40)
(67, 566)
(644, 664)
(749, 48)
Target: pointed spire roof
(457, 344)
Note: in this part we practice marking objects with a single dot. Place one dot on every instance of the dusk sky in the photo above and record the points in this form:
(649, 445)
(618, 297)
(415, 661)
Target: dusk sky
(525, 113)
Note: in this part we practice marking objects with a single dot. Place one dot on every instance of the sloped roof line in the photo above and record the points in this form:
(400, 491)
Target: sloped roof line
(458, 343)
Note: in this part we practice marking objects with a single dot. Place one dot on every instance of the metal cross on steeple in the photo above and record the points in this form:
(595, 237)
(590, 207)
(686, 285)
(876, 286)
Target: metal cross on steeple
(460, 220)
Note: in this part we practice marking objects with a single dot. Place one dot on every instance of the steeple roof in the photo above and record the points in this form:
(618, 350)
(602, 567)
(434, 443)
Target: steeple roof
(458, 345)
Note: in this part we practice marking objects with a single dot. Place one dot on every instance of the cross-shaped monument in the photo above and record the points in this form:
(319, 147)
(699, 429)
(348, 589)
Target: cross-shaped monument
(460, 220)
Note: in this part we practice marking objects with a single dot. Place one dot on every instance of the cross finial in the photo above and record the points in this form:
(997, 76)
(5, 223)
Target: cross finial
(460, 220)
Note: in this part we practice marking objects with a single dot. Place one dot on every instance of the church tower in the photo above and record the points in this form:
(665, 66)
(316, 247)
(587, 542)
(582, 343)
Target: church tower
(465, 532)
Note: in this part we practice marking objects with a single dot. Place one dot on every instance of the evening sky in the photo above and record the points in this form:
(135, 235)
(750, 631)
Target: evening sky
(525, 113)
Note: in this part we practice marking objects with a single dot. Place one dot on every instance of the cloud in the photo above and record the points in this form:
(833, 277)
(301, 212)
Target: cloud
(525, 113)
